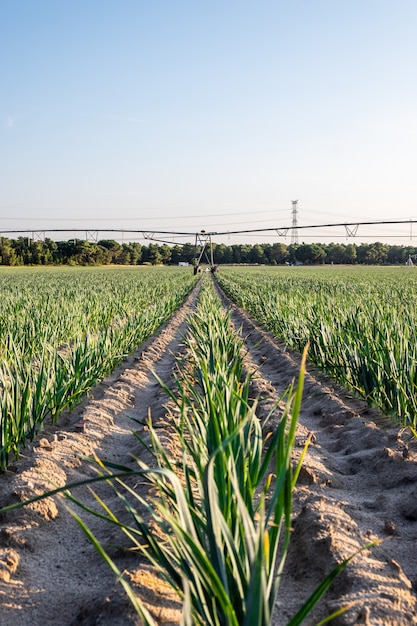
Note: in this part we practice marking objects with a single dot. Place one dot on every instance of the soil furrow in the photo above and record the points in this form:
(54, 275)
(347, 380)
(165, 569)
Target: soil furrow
(49, 573)
(358, 484)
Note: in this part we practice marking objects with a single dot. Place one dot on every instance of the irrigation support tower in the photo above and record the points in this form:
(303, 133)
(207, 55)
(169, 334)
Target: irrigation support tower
(203, 246)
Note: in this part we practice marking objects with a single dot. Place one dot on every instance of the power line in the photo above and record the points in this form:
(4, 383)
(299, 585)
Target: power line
(135, 219)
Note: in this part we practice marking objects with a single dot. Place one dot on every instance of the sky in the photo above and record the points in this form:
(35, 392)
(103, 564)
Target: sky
(182, 115)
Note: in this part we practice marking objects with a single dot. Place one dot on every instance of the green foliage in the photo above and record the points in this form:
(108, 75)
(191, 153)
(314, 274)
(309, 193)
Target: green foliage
(223, 505)
(24, 251)
(61, 331)
(218, 524)
(359, 324)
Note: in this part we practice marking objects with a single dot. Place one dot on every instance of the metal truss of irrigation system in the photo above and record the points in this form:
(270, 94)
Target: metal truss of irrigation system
(351, 229)
(203, 239)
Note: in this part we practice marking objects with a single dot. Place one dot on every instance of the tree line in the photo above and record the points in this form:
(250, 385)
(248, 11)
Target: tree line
(24, 251)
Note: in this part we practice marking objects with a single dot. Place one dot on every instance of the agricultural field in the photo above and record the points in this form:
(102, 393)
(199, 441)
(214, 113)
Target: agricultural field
(360, 324)
(63, 330)
(215, 479)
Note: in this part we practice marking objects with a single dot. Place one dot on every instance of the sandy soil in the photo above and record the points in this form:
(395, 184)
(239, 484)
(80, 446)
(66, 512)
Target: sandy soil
(358, 484)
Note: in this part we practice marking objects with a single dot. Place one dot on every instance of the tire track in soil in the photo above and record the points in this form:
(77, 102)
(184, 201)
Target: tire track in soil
(358, 483)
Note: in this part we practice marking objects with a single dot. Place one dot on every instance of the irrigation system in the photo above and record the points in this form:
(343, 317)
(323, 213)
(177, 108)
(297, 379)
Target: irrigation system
(351, 229)
(203, 239)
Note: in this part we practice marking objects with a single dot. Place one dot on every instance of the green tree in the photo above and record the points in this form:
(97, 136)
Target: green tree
(176, 255)
(350, 253)
(166, 253)
(257, 254)
(7, 253)
(188, 252)
(154, 254)
(222, 254)
(114, 247)
(278, 254)
(236, 253)
(311, 253)
(397, 255)
(135, 251)
(377, 253)
(335, 253)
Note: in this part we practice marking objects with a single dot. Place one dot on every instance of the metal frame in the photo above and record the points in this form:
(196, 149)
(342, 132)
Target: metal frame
(350, 227)
(202, 242)
(203, 239)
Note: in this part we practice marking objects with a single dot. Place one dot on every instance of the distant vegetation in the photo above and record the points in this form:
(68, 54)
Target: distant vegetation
(24, 251)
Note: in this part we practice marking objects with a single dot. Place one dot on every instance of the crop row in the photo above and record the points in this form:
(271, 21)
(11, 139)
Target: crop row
(217, 523)
(360, 325)
(61, 331)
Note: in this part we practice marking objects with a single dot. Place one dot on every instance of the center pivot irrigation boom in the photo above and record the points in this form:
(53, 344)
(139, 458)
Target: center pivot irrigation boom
(203, 240)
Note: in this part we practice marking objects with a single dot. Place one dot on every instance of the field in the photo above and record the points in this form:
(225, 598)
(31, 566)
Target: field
(234, 498)
(360, 324)
(63, 330)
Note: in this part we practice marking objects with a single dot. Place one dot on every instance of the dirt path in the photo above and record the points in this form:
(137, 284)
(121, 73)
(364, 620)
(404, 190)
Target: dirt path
(358, 484)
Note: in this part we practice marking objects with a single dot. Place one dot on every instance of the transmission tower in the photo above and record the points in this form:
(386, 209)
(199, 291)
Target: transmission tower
(294, 230)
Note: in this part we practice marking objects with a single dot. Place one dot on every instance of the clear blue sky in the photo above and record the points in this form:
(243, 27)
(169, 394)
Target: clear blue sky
(180, 114)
